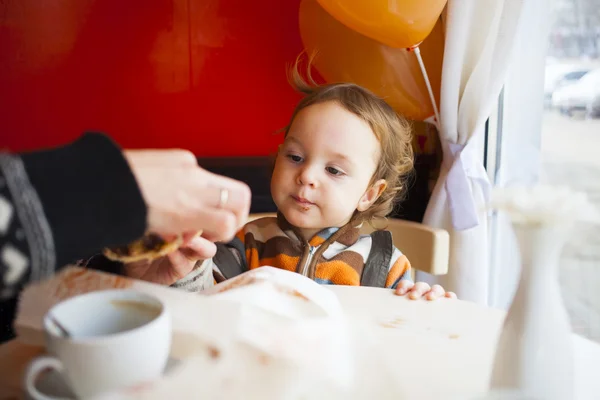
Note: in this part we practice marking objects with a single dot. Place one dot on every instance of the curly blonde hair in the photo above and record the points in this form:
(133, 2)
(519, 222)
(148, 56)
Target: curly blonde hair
(392, 131)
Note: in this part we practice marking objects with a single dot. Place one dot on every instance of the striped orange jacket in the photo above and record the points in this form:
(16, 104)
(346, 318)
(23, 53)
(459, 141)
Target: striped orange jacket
(339, 256)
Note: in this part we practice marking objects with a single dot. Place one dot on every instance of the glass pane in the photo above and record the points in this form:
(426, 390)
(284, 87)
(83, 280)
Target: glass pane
(571, 146)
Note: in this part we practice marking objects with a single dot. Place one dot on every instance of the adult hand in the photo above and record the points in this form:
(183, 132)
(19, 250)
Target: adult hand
(182, 197)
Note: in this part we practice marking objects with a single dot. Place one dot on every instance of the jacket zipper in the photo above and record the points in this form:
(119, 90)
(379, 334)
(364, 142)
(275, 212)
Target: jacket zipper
(311, 251)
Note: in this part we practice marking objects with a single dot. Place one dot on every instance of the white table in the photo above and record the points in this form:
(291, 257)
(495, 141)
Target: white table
(445, 348)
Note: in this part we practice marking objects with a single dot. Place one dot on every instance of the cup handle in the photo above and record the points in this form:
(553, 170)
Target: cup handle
(34, 369)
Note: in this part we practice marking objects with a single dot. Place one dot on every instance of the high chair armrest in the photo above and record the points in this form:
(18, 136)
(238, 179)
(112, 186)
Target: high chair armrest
(426, 248)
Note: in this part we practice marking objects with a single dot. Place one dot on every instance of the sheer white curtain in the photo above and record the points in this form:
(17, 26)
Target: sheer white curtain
(521, 123)
(480, 42)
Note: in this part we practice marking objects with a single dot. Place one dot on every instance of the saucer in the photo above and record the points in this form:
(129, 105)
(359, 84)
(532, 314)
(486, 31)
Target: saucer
(53, 384)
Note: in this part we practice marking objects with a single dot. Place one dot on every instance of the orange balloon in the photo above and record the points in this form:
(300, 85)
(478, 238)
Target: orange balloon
(343, 55)
(397, 23)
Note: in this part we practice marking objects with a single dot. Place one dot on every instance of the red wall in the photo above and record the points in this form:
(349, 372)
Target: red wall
(207, 75)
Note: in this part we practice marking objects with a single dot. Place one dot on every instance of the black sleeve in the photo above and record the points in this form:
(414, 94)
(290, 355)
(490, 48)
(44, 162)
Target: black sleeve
(64, 204)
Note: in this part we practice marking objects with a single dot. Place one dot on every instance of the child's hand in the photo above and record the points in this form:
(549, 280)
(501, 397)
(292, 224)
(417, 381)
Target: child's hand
(174, 266)
(422, 289)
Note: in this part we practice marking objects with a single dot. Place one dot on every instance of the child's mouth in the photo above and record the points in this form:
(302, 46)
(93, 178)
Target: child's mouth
(302, 201)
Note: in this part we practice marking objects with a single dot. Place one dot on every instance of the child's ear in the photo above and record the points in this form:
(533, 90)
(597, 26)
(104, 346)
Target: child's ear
(371, 195)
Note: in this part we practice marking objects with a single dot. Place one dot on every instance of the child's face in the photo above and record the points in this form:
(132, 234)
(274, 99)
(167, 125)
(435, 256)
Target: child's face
(324, 167)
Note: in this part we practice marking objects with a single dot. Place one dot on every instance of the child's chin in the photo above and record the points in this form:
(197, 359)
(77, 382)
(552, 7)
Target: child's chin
(298, 218)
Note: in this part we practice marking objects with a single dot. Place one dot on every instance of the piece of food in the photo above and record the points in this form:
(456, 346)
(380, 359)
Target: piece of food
(150, 247)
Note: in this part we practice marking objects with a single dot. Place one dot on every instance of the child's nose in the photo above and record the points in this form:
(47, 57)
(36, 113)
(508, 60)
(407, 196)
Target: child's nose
(307, 176)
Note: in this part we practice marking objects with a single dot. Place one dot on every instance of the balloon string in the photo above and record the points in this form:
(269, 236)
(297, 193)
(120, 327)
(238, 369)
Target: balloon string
(428, 84)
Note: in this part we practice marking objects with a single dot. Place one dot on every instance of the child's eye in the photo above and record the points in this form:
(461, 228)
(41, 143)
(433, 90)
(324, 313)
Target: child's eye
(294, 157)
(334, 171)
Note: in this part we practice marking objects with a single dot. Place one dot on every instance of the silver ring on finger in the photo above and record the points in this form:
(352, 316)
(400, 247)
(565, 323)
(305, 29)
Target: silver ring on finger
(223, 198)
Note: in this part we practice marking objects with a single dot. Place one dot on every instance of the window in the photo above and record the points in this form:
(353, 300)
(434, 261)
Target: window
(548, 125)
(570, 148)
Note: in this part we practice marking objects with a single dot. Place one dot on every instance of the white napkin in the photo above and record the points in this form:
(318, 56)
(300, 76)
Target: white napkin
(267, 334)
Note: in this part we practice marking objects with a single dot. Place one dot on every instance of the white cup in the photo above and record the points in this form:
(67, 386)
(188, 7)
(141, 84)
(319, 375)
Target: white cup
(118, 339)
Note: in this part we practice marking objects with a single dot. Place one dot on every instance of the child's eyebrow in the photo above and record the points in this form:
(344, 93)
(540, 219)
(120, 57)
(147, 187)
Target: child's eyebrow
(292, 139)
(336, 156)
(343, 158)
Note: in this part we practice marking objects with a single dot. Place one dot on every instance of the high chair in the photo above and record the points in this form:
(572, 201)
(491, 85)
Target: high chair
(426, 248)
